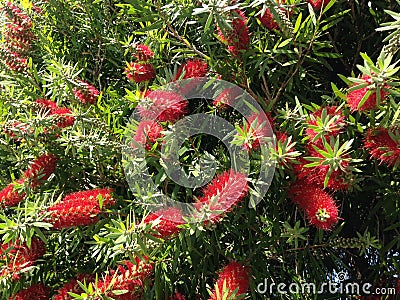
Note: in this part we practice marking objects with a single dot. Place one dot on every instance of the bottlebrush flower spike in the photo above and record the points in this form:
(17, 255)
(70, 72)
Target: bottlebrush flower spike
(354, 97)
(64, 117)
(319, 206)
(317, 4)
(147, 134)
(86, 93)
(130, 277)
(138, 72)
(223, 193)
(34, 292)
(94, 196)
(226, 98)
(143, 52)
(238, 38)
(45, 103)
(18, 257)
(269, 20)
(79, 209)
(40, 169)
(163, 106)
(72, 286)
(192, 68)
(384, 145)
(169, 218)
(325, 122)
(234, 276)
(9, 196)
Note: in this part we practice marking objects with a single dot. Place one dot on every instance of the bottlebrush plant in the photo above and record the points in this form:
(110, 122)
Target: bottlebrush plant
(82, 83)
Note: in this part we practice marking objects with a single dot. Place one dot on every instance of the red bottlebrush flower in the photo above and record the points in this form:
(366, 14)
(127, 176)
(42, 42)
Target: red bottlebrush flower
(140, 72)
(143, 52)
(64, 117)
(223, 193)
(130, 277)
(86, 93)
(40, 169)
(257, 129)
(18, 257)
(164, 106)
(170, 218)
(192, 68)
(331, 125)
(238, 38)
(147, 134)
(72, 286)
(15, 14)
(269, 20)
(177, 296)
(233, 276)
(319, 206)
(354, 97)
(382, 146)
(73, 214)
(79, 209)
(94, 196)
(15, 62)
(34, 292)
(315, 176)
(226, 98)
(45, 103)
(9, 196)
(317, 4)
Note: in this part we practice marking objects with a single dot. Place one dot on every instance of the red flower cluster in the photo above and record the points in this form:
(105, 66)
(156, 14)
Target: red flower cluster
(319, 206)
(18, 257)
(226, 98)
(315, 176)
(354, 97)
(143, 52)
(238, 38)
(259, 126)
(164, 106)
(268, 19)
(64, 117)
(86, 93)
(317, 4)
(235, 276)
(130, 277)
(72, 286)
(147, 134)
(382, 146)
(80, 208)
(169, 219)
(223, 193)
(192, 68)
(332, 123)
(140, 72)
(40, 169)
(18, 37)
(34, 292)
